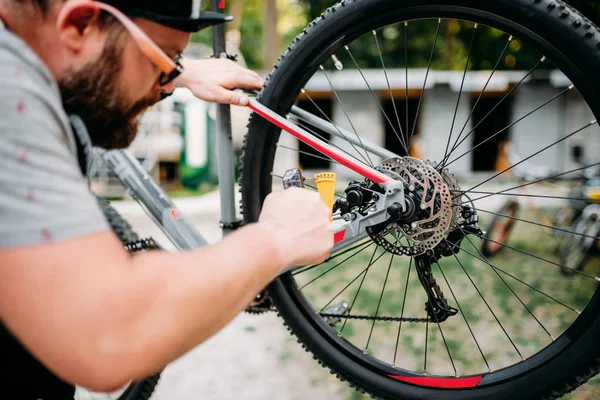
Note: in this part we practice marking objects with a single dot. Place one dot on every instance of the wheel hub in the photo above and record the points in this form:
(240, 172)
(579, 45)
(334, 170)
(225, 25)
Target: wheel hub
(426, 219)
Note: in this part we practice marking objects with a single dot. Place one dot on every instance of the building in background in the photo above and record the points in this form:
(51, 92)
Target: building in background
(504, 120)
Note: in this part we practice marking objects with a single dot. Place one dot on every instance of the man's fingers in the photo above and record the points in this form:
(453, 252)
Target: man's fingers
(243, 101)
(249, 80)
(225, 96)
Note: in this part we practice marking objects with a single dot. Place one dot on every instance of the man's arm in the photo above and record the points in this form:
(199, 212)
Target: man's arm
(98, 317)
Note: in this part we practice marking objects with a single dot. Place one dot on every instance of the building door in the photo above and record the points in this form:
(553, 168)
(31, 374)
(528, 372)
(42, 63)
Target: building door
(490, 130)
(308, 158)
(396, 110)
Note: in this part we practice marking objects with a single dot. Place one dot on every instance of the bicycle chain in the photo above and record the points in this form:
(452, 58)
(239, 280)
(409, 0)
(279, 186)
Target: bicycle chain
(141, 245)
(263, 302)
(375, 318)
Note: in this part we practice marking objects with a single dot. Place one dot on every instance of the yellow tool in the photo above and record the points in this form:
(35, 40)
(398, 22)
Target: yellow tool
(326, 187)
(594, 194)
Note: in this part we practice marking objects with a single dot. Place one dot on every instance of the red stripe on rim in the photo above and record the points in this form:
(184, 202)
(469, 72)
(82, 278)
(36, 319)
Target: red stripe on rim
(445, 383)
(339, 236)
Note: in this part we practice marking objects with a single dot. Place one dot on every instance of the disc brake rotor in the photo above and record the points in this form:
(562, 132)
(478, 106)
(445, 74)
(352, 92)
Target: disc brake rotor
(434, 207)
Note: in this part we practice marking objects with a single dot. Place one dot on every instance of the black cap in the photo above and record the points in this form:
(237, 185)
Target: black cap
(183, 15)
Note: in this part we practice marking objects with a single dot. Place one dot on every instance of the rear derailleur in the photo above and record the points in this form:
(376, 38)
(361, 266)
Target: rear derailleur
(437, 307)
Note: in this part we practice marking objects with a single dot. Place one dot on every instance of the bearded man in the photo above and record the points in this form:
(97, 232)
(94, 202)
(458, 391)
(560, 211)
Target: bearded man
(75, 308)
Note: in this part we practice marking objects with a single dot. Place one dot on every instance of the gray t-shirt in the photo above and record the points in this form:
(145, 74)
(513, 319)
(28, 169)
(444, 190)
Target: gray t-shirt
(43, 194)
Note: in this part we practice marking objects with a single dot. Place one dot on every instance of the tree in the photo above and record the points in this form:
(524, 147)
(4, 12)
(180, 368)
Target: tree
(267, 26)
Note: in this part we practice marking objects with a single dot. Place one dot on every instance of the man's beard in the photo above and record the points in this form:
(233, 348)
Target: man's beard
(93, 93)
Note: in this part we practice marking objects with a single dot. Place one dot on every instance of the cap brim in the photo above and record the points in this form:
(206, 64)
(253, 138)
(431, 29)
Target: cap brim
(205, 20)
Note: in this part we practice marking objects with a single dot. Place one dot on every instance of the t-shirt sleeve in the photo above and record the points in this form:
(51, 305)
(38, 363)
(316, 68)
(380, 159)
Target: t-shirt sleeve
(43, 194)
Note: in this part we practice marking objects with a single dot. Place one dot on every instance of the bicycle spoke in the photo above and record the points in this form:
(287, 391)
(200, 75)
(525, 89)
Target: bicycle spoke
(455, 145)
(364, 271)
(443, 337)
(462, 83)
(506, 283)
(306, 126)
(366, 160)
(401, 136)
(333, 257)
(379, 303)
(358, 290)
(447, 348)
(464, 317)
(406, 71)
(335, 93)
(532, 183)
(517, 279)
(509, 126)
(307, 153)
(501, 101)
(487, 305)
(377, 97)
(538, 196)
(426, 342)
(539, 224)
(402, 312)
(540, 258)
(329, 270)
(533, 155)
(437, 33)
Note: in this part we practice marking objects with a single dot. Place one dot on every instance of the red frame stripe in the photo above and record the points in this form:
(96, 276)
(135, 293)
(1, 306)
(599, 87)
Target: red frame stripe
(444, 383)
(317, 144)
(339, 236)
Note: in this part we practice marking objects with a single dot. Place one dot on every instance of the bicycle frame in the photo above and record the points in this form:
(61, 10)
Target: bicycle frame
(166, 215)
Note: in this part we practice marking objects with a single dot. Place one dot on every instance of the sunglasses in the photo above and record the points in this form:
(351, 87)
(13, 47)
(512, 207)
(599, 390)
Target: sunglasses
(170, 68)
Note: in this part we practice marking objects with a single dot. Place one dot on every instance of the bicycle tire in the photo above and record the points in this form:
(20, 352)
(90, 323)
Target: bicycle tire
(569, 38)
(500, 226)
(143, 389)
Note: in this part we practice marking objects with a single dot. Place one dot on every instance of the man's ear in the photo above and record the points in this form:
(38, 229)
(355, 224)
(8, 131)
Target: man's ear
(75, 22)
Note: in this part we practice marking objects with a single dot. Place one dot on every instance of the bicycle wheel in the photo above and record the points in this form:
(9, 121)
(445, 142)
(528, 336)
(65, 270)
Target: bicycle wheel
(576, 247)
(511, 328)
(141, 390)
(500, 228)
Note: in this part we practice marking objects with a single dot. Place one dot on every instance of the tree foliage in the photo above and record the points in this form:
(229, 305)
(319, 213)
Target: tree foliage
(400, 46)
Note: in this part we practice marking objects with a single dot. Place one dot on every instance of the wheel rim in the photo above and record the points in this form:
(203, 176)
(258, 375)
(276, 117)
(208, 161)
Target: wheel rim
(391, 366)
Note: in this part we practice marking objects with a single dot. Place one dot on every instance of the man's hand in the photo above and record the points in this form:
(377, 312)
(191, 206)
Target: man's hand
(212, 80)
(301, 226)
